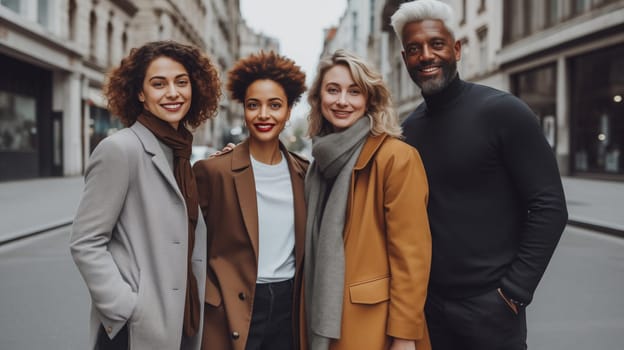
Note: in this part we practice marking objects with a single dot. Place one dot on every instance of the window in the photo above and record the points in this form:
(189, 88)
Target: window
(597, 108)
(465, 57)
(71, 20)
(18, 122)
(481, 6)
(579, 6)
(537, 87)
(109, 42)
(371, 25)
(13, 5)
(101, 125)
(43, 13)
(92, 34)
(462, 20)
(552, 12)
(482, 34)
(514, 21)
(124, 43)
(355, 31)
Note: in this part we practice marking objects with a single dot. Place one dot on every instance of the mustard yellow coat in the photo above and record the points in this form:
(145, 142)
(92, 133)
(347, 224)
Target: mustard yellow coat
(387, 245)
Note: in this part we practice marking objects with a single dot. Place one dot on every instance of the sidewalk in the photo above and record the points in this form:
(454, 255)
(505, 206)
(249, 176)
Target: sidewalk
(594, 204)
(31, 206)
(28, 207)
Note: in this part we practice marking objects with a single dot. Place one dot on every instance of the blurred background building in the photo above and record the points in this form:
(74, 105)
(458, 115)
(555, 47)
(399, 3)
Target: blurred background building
(54, 55)
(564, 58)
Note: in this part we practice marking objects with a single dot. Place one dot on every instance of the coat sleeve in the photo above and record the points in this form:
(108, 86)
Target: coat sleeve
(533, 169)
(106, 185)
(409, 242)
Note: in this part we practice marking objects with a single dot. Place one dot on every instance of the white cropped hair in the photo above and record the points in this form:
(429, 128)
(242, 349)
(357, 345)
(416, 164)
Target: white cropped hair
(420, 10)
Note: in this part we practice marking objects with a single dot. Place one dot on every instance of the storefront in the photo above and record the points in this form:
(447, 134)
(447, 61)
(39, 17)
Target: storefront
(27, 124)
(537, 87)
(101, 125)
(597, 112)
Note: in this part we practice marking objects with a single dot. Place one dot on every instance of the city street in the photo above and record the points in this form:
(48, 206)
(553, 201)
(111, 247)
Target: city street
(44, 304)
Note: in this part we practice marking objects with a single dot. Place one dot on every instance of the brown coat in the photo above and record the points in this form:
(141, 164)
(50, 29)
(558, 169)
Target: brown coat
(227, 196)
(387, 245)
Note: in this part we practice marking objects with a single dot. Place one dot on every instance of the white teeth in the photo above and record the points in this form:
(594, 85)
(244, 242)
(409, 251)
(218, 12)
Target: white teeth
(175, 106)
(264, 127)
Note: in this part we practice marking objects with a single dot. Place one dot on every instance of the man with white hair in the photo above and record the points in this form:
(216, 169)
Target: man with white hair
(496, 203)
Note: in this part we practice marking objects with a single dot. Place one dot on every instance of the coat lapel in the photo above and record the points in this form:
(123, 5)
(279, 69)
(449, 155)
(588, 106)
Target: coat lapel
(371, 145)
(297, 177)
(152, 147)
(246, 191)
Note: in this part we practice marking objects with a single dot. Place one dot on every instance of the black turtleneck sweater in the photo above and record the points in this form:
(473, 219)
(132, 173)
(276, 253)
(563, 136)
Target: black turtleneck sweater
(496, 203)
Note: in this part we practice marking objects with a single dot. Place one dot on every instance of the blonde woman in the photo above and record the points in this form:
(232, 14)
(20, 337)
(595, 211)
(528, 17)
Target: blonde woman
(368, 245)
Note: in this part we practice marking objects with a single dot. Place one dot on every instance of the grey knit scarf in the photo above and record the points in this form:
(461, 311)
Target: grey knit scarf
(334, 157)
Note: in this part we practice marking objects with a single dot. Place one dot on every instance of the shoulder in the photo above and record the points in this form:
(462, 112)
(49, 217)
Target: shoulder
(500, 107)
(117, 146)
(418, 113)
(299, 159)
(495, 100)
(214, 164)
(395, 150)
(394, 145)
(123, 139)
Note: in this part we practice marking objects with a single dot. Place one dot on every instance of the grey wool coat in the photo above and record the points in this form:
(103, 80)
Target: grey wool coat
(129, 241)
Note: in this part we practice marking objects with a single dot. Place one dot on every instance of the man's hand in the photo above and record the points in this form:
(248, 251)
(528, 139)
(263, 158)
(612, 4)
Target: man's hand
(511, 305)
(402, 344)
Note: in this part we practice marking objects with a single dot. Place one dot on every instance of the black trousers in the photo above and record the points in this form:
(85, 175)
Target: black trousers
(271, 320)
(119, 342)
(483, 322)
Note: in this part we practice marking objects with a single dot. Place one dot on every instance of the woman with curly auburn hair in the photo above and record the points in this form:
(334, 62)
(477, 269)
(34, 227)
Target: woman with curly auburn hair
(368, 245)
(253, 199)
(138, 239)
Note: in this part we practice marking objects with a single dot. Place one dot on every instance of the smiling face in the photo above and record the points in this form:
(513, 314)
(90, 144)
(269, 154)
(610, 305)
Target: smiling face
(342, 101)
(430, 54)
(166, 91)
(266, 111)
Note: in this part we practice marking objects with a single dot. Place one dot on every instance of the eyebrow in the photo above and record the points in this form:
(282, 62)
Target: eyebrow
(176, 77)
(270, 99)
(334, 83)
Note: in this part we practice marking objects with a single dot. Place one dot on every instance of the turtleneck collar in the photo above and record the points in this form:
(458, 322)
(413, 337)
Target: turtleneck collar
(447, 96)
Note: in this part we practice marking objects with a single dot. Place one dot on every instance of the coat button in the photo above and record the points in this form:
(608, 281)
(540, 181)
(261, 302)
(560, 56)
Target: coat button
(242, 296)
(235, 335)
(109, 330)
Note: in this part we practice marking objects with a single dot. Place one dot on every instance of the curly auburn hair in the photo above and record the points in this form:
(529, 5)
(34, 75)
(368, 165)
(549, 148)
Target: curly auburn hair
(271, 66)
(126, 81)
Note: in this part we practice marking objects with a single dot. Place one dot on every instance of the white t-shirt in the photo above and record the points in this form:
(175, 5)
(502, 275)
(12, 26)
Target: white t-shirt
(276, 221)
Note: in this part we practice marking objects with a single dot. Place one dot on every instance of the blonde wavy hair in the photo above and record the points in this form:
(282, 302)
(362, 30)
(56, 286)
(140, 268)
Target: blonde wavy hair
(379, 106)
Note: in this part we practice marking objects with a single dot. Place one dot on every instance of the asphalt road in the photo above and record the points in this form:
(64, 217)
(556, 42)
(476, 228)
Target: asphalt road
(579, 304)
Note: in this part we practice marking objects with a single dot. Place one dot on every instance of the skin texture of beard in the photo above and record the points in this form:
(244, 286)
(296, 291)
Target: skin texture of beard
(434, 85)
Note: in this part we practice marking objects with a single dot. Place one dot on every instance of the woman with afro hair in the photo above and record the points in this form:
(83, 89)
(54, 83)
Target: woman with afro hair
(138, 239)
(253, 201)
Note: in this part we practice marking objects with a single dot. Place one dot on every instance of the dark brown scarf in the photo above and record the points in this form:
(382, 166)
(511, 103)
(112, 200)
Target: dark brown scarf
(180, 142)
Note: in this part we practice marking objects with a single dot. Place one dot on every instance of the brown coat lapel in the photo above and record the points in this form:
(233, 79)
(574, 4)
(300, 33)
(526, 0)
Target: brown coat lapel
(246, 191)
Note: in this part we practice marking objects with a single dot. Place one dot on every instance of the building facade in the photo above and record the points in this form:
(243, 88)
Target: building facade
(55, 54)
(564, 58)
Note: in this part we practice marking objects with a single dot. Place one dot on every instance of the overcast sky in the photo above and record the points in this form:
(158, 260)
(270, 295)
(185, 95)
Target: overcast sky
(298, 25)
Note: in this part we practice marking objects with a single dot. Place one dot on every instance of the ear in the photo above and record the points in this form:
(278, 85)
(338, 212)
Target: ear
(457, 48)
(142, 97)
